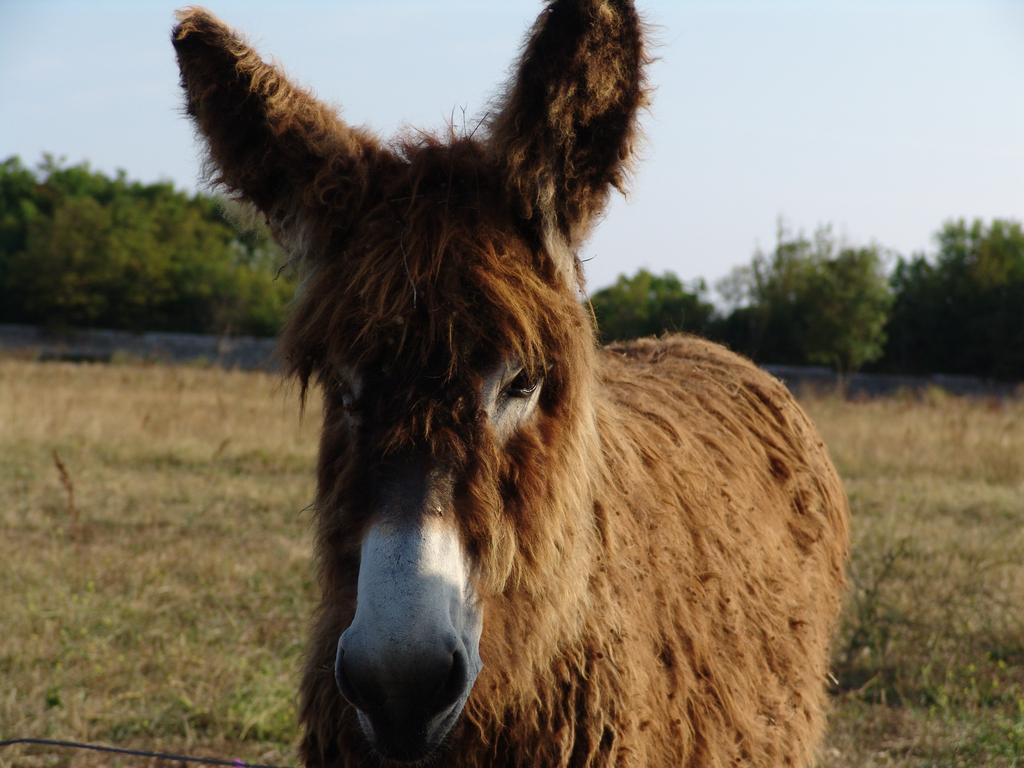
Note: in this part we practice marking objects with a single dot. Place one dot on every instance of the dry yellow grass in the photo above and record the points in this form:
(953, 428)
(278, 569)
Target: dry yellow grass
(172, 611)
(155, 591)
(930, 661)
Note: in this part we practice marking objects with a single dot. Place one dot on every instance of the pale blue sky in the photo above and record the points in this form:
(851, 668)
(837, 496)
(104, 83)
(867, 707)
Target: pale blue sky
(882, 117)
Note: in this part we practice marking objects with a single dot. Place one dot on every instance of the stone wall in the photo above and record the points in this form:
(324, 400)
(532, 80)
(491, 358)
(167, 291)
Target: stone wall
(249, 353)
(243, 352)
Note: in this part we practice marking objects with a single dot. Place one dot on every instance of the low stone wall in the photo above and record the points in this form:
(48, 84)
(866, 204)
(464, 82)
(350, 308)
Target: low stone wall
(244, 352)
(249, 353)
(798, 378)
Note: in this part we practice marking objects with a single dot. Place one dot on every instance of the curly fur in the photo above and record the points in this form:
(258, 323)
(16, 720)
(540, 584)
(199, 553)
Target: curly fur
(659, 551)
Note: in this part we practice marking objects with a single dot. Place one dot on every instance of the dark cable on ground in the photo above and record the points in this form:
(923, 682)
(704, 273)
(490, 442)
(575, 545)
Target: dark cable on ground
(135, 753)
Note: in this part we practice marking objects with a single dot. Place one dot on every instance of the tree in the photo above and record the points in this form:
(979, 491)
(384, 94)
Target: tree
(66, 269)
(18, 208)
(850, 301)
(80, 248)
(809, 301)
(961, 310)
(647, 304)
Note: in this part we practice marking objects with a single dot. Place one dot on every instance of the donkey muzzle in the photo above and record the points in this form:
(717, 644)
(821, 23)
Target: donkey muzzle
(410, 658)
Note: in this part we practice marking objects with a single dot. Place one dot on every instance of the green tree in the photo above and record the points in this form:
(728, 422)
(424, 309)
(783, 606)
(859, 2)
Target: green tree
(961, 310)
(19, 206)
(647, 304)
(81, 248)
(850, 300)
(65, 269)
(811, 300)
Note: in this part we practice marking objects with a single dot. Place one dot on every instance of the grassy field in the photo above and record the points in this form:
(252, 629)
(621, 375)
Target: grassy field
(155, 576)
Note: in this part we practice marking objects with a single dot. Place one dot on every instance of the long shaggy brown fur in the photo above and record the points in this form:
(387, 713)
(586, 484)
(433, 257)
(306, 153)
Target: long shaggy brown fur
(659, 551)
(568, 129)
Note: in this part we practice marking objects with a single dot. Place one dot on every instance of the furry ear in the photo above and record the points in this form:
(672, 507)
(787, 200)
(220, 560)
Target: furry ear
(566, 132)
(269, 141)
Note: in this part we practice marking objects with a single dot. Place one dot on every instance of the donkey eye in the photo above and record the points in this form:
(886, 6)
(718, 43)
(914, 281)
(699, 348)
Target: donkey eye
(341, 393)
(523, 385)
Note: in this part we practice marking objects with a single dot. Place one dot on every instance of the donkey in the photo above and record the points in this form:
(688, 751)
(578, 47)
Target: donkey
(531, 551)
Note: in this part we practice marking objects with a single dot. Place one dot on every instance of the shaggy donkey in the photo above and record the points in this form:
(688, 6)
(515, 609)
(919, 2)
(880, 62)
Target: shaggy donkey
(532, 551)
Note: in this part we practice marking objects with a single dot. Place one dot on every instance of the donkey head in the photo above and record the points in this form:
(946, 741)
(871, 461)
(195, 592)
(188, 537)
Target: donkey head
(439, 310)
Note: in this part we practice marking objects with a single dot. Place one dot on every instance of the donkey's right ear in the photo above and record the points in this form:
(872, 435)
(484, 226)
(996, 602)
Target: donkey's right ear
(269, 141)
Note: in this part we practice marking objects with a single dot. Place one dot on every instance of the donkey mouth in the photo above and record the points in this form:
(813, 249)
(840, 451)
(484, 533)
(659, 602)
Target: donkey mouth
(410, 736)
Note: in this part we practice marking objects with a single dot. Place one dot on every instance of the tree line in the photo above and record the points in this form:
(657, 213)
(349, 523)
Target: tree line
(79, 248)
(818, 301)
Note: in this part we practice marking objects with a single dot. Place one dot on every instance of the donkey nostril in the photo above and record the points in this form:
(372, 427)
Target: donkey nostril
(344, 685)
(456, 683)
(403, 686)
(361, 692)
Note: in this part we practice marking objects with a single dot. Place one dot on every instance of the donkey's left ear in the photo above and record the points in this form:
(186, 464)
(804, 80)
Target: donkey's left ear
(271, 142)
(566, 132)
